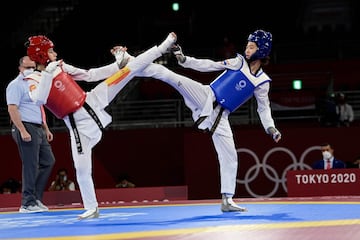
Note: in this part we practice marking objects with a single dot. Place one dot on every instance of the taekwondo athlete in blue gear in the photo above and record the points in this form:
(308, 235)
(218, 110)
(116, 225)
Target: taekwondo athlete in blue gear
(212, 104)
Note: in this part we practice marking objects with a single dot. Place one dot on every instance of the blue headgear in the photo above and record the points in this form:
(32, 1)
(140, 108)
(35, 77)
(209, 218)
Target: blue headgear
(263, 41)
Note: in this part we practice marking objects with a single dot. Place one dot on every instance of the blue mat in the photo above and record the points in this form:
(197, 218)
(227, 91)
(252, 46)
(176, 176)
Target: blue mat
(156, 219)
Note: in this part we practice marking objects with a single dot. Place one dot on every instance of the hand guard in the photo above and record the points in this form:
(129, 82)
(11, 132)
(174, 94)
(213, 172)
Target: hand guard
(51, 67)
(177, 51)
(122, 57)
(276, 135)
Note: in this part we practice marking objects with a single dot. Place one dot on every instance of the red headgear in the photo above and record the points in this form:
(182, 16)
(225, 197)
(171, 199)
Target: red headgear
(37, 49)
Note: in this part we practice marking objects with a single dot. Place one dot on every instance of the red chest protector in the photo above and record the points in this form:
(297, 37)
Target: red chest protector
(65, 96)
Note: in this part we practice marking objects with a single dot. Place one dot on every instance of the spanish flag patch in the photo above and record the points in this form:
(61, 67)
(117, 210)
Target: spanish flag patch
(118, 76)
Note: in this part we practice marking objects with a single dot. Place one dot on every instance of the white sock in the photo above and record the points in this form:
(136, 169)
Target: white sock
(167, 43)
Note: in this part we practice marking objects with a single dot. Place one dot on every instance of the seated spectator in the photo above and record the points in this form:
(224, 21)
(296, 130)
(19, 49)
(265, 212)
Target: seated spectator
(124, 182)
(344, 111)
(10, 186)
(62, 183)
(328, 160)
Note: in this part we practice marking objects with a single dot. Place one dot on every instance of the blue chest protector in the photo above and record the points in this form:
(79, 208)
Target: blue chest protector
(234, 87)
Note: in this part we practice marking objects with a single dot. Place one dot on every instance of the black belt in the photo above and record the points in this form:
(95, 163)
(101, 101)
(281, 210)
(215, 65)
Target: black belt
(73, 125)
(217, 120)
(34, 124)
(76, 133)
(93, 115)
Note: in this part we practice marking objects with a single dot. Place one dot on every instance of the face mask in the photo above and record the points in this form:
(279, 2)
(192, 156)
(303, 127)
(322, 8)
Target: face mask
(326, 155)
(27, 71)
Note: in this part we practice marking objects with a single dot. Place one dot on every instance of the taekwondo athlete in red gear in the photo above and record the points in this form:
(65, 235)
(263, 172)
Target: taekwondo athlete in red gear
(54, 85)
(211, 104)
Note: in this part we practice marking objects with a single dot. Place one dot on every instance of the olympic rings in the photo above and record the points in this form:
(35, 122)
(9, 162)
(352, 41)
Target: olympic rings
(269, 171)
